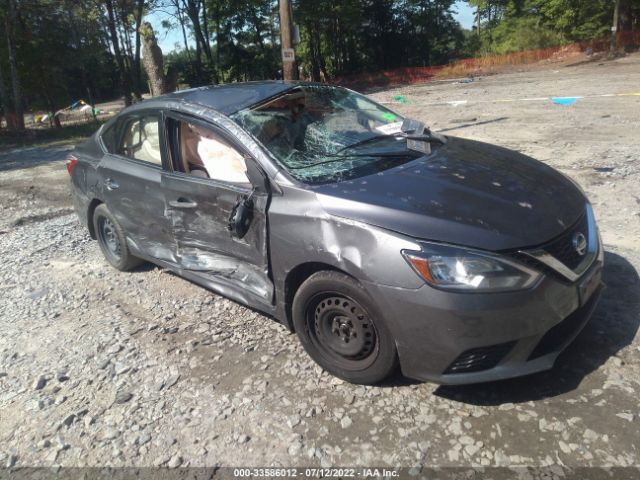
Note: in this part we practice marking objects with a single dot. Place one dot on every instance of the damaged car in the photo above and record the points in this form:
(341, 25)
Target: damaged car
(379, 242)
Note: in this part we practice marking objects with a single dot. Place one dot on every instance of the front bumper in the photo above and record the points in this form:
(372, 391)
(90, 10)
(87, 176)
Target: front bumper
(462, 338)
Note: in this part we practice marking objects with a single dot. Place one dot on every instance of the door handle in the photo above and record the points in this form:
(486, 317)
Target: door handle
(182, 203)
(111, 184)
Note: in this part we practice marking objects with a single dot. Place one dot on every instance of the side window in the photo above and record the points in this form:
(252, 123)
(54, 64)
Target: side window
(204, 153)
(141, 139)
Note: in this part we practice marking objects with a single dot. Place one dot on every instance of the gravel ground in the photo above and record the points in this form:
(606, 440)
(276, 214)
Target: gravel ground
(102, 368)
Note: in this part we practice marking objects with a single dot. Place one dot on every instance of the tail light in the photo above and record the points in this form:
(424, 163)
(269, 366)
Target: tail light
(71, 163)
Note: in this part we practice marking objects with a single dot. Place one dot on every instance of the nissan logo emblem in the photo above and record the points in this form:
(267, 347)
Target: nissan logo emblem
(579, 242)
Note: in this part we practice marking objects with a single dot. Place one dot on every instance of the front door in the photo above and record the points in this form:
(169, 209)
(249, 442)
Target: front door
(207, 187)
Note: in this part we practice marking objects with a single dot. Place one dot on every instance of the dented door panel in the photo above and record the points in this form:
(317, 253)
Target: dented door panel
(199, 211)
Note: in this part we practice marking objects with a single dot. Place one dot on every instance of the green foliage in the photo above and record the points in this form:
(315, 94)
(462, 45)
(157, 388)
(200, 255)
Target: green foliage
(523, 33)
(342, 37)
(514, 25)
(51, 63)
(66, 49)
(579, 19)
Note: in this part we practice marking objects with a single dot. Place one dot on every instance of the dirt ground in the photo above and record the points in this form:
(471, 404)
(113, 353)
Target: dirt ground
(102, 368)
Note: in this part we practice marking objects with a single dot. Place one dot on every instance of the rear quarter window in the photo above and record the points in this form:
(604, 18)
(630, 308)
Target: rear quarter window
(108, 137)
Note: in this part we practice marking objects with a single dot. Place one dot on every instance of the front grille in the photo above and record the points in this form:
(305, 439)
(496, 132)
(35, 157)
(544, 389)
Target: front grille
(560, 333)
(562, 247)
(538, 265)
(478, 359)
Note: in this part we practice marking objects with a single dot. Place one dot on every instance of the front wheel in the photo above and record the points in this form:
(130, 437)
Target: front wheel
(337, 325)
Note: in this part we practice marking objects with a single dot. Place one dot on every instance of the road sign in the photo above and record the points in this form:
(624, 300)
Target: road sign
(288, 55)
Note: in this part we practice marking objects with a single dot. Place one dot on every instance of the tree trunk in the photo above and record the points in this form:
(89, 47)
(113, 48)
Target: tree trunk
(219, 73)
(205, 27)
(79, 51)
(289, 70)
(614, 29)
(193, 12)
(180, 16)
(137, 77)
(126, 46)
(205, 30)
(152, 59)
(10, 23)
(4, 100)
(124, 77)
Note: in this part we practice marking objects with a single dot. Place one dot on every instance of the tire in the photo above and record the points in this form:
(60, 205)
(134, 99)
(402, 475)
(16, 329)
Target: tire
(341, 330)
(112, 240)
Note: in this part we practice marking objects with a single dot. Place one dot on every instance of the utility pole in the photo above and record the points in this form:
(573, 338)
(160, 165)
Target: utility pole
(614, 29)
(289, 70)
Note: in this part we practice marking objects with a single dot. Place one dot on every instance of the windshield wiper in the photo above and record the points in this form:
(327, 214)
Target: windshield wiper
(426, 137)
(337, 158)
(367, 140)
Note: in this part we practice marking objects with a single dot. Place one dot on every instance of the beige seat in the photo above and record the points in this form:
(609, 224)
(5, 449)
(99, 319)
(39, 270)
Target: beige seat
(142, 141)
(149, 150)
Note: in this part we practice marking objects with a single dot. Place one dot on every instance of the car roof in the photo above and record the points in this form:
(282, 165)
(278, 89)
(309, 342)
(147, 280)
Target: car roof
(232, 97)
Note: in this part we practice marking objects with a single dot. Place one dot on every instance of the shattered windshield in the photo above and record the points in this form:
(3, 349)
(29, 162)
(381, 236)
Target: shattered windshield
(323, 133)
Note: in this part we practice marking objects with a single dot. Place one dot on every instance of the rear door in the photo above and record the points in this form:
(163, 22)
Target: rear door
(130, 175)
(211, 180)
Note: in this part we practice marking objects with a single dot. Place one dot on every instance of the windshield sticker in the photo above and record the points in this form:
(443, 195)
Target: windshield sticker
(389, 116)
(390, 128)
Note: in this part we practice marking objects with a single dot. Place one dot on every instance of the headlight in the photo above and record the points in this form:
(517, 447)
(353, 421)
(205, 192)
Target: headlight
(459, 269)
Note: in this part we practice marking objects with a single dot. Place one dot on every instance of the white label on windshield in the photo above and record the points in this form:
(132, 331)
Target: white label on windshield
(390, 128)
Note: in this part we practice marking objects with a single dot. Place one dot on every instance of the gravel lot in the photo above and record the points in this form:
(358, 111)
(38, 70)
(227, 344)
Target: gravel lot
(102, 368)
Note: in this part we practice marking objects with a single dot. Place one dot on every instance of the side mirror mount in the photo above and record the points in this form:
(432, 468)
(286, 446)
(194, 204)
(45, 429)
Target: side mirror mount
(241, 216)
(412, 126)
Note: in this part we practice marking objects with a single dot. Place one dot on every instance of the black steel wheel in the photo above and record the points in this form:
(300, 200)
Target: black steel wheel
(108, 238)
(112, 240)
(341, 330)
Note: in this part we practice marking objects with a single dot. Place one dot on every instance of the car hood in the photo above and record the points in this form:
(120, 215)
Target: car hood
(464, 192)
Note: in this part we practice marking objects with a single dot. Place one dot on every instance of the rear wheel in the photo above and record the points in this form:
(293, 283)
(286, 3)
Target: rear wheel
(338, 327)
(112, 241)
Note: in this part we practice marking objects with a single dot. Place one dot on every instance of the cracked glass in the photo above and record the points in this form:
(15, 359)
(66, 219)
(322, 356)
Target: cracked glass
(323, 134)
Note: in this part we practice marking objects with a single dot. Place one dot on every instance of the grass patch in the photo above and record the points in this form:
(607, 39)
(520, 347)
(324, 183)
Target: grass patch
(47, 136)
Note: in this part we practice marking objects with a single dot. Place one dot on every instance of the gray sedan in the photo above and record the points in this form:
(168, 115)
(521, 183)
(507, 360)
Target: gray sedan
(379, 242)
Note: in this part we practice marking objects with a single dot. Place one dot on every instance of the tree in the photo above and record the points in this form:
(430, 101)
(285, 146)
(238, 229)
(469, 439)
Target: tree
(153, 62)
(11, 20)
(115, 42)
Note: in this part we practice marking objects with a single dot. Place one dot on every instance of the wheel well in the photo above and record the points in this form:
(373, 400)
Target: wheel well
(92, 207)
(296, 277)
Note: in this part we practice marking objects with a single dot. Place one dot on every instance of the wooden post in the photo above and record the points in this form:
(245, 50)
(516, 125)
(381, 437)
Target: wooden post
(614, 29)
(289, 70)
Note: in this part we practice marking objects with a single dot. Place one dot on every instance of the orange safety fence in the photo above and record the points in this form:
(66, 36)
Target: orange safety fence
(481, 65)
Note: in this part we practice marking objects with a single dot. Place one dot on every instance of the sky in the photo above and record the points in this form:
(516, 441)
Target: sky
(167, 40)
